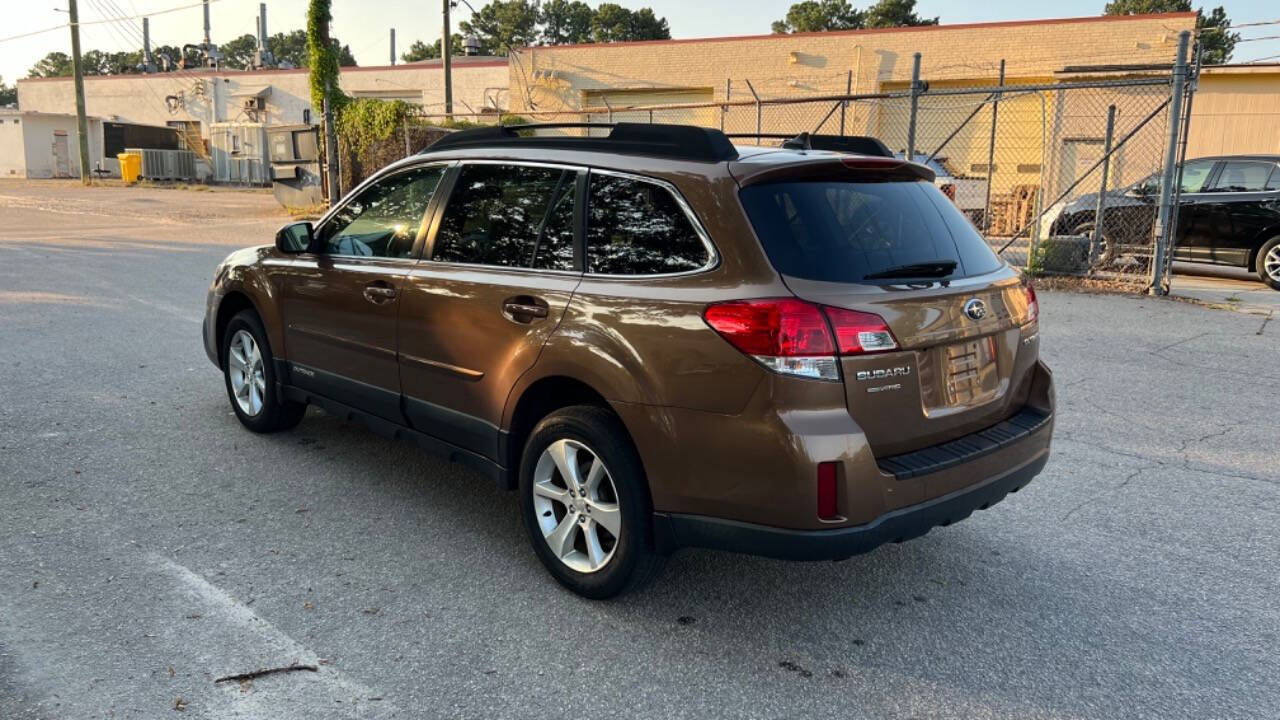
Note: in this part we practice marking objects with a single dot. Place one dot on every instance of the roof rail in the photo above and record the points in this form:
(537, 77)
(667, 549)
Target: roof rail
(859, 144)
(684, 142)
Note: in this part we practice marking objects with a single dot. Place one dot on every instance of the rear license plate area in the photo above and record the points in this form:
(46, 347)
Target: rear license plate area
(969, 373)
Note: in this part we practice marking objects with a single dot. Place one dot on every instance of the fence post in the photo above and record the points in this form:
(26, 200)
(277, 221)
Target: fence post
(915, 104)
(1099, 215)
(1164, 238)
(991, 154)
(759, 117)
(848, 92)
(1192, 86)
(724, 109)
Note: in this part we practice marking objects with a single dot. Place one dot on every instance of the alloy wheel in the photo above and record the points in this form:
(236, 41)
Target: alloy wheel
(244, 368)
(576, 504)
(1271, 263)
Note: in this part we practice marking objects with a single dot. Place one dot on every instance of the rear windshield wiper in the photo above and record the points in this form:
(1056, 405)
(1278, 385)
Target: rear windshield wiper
(931, 269)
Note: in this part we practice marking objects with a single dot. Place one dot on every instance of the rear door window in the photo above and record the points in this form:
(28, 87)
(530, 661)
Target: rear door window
(637, 227)
(1243, 176)
(509, 216)
(844, 231)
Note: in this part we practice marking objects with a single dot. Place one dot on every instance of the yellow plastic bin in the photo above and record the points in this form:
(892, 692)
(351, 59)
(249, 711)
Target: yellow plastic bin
(130, 166)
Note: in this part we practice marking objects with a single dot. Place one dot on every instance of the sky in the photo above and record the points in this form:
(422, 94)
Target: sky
(364, 24)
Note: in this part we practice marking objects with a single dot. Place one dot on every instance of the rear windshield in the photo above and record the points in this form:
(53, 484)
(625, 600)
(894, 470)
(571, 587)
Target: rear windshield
(845, 231)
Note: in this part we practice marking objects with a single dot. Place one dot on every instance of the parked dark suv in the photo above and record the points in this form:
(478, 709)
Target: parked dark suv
(660, 339)
(1229, 214)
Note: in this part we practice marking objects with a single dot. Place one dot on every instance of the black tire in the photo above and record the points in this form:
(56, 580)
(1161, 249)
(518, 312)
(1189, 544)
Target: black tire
(1260, 263)
(1107, 252)
(634, 562)
(276, 413)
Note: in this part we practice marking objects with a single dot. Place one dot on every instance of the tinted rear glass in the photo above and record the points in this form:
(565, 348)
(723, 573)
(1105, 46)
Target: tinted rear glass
(844, 231)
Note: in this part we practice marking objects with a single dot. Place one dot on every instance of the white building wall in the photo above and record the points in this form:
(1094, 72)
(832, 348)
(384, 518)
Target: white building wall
(30, 152)
(210, 97)
(13, 153)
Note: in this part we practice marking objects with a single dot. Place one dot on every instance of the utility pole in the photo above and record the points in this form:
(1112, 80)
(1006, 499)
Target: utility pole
(330, 148)
(82, 123)
(446, 51)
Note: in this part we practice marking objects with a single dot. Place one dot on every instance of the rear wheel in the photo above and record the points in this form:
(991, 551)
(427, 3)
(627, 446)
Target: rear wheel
(1268, 265)
(249, 372)
(586, 505)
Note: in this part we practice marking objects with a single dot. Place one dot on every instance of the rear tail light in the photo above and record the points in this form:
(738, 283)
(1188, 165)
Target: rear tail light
(794, 337)
(1033, 305)
(827, 491)
(859, 332)
(950, 191)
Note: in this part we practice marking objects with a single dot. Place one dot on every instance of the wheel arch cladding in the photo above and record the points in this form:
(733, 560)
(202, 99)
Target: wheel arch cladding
(233, 303)
(539, 399)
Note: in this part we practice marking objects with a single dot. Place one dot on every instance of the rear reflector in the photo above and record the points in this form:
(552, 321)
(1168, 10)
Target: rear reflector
(827, 491)
(794, 337)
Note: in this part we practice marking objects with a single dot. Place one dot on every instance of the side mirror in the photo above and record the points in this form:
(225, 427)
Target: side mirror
(294, 238)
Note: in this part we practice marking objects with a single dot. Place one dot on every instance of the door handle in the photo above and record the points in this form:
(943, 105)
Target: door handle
(379, 293)
(524, 309)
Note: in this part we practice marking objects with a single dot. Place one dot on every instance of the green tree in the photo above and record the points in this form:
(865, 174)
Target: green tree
(504, 24)
(322, 56)
(895, 13)
(419, 50)
(819, 15)
(614, 23)
(1213, 30)
(55, 64)
(8, 94)
(566, 21)
(239, 54)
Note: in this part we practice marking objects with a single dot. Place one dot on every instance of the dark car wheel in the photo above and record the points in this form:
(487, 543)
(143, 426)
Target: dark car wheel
(586, 504)
(1106, 245)
(1268, 265)
(249, 373)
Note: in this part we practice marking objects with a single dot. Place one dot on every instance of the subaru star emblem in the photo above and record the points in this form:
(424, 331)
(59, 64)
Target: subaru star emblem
(975, 309)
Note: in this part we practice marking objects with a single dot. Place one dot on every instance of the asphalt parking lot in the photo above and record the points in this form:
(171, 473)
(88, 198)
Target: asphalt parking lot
(149, 545)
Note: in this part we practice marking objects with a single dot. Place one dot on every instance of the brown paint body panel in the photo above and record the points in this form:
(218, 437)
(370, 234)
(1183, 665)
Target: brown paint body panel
(719, 435)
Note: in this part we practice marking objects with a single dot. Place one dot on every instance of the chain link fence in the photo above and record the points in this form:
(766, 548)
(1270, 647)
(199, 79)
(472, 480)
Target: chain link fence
(1071, 177)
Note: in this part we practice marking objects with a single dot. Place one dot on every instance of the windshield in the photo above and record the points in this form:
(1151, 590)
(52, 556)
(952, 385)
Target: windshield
(848, 231)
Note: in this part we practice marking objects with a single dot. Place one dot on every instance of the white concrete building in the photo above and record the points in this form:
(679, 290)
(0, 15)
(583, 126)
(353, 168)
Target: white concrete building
(44, 145)
(212, 105)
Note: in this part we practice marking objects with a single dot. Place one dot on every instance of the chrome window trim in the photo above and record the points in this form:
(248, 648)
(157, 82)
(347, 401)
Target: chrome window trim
(713, 256)
(404, 166)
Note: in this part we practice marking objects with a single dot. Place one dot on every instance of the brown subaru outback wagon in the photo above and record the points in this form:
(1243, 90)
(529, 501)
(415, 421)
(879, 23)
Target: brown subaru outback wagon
(658, 338)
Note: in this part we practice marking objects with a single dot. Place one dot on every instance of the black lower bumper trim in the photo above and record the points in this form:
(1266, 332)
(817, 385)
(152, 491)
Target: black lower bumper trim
(966, 449)
(677, 530)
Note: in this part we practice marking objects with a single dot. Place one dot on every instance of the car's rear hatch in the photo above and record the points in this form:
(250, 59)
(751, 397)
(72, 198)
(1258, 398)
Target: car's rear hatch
(880, 239)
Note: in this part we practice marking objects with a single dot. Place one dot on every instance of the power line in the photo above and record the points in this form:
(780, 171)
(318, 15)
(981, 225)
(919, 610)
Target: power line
(100, 22)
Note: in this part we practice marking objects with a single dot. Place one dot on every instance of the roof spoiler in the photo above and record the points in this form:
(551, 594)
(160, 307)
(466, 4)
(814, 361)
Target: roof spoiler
(680, 142)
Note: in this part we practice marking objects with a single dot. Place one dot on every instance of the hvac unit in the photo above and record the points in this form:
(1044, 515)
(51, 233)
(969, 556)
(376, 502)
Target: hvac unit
(166, 164)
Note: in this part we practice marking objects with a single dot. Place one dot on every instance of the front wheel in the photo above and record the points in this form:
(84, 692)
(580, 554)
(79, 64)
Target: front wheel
(249, 372)
(586, 505)
(1269, 263)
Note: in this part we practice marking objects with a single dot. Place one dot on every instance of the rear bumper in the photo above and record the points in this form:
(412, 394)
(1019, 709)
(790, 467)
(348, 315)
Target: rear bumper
(674, 530)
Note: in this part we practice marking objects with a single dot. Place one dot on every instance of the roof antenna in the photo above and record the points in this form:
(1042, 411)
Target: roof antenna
(799, 142)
